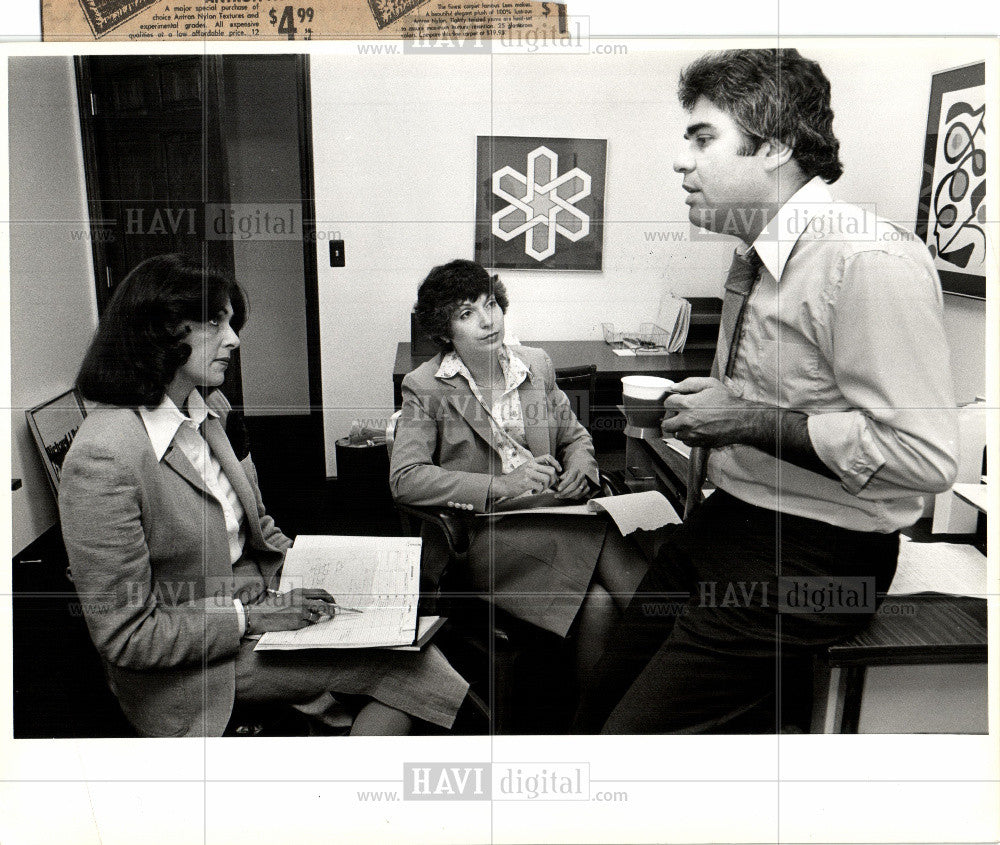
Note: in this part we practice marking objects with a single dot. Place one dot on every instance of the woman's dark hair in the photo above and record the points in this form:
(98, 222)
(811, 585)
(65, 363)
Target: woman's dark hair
(446, 287)
(771, 94)
(139, 343)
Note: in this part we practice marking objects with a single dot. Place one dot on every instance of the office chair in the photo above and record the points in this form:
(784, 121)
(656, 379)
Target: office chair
(578, 384)
(477, 630)
(469, 638)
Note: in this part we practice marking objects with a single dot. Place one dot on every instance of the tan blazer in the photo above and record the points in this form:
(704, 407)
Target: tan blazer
(537, 568)
(443, 449)
(150, 558)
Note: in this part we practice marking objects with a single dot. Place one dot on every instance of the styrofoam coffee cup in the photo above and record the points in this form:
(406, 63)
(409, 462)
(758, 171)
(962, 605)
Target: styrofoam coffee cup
(643, 399)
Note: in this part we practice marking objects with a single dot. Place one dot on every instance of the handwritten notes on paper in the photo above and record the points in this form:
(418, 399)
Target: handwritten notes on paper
(377, 575)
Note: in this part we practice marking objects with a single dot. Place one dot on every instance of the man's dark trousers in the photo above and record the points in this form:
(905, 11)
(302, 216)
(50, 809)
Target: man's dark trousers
(704, 640)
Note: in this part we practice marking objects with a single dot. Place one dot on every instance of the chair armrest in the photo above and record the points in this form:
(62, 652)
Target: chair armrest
(613, 483)
(453, 527)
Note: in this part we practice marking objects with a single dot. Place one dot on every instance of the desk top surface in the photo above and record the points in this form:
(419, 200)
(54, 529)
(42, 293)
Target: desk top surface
(575, 353)
(915, 629)
(976, 495)
(909, 629)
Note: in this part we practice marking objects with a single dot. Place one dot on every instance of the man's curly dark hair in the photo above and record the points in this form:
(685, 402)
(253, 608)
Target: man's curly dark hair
(139, 344)
(446, 287)
(771, 94)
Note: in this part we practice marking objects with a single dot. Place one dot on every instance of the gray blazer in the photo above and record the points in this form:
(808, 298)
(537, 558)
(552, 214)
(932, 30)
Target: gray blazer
(443, 449)
(150, 558)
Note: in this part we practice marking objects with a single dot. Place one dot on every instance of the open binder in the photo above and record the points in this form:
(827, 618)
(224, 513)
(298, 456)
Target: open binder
(379, 576)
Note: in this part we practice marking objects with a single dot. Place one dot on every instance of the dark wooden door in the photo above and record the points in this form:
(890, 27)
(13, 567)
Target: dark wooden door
(155, 166)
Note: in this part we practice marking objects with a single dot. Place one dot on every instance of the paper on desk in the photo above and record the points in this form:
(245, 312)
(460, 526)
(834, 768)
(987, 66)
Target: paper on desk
(674, 315)
(640, 353)
(953, 568)
(975, 494)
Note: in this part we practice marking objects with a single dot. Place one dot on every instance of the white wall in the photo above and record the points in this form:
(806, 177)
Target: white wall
(260, 122)
(53, 303)
(882, 147)
(395, 141)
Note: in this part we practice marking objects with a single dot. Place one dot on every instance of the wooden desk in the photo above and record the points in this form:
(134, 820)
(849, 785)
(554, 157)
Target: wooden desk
(605, 416)
(651, 464)
(922, 629)
(576, 353)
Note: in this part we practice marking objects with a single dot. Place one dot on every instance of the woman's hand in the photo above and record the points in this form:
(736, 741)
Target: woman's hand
(533, 476)
(290, 611)
(573, 484)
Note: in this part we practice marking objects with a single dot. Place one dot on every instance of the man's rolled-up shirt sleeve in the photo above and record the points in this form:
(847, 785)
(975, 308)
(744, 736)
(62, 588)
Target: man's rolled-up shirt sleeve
(844, 442)
(886, 345)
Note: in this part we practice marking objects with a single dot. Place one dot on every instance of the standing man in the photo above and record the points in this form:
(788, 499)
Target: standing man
(828, 416)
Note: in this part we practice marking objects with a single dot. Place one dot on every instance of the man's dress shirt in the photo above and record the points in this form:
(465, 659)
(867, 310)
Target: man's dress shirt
(845, 325)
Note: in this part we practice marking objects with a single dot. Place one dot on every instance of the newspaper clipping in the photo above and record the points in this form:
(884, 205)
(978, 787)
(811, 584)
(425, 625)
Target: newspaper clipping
(417, 20)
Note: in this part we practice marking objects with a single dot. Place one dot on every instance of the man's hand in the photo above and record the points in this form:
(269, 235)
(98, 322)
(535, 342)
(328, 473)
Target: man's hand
(290, 611)
(707, 413)
(573, 484)
(533, 476)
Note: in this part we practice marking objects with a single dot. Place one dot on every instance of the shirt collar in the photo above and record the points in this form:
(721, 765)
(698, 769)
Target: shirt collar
(163, 421)
(775, 243)
(515, 370)
(451, 365)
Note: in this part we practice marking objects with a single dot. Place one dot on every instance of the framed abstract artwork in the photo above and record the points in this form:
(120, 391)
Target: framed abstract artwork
(54, 424)
(540, 202)
(951, 213)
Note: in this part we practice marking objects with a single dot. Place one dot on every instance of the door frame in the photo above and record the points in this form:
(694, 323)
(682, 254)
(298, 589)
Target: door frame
(303, 96)
(310, 262)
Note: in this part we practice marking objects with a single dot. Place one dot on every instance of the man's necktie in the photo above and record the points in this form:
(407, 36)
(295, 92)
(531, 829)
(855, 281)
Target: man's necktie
(743, 275)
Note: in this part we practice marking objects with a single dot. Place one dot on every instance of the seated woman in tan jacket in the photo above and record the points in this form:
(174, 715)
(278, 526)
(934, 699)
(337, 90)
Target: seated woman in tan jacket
(174, 557)
(483, 422)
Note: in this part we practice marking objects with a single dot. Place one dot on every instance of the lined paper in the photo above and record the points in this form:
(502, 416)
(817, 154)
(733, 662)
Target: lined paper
(378, 575)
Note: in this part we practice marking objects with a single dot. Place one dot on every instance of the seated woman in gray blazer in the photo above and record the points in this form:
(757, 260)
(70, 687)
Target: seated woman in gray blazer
(483, 422)
(174, 558)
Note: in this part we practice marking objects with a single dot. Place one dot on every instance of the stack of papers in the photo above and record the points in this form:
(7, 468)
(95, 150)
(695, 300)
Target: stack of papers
(953, 568)
(674, 317)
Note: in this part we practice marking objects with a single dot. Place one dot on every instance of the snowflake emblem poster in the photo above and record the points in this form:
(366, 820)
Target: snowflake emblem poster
(540, 202)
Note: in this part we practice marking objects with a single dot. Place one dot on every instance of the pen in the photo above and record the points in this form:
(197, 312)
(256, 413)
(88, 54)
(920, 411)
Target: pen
(339, 608)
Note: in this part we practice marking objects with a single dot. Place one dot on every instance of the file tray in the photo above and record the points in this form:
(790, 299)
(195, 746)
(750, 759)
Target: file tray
(648, 339)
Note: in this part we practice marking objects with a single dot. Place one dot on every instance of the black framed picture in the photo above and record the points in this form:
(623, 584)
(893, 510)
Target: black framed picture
(540, 202)
(54, 424)
(951, 212)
